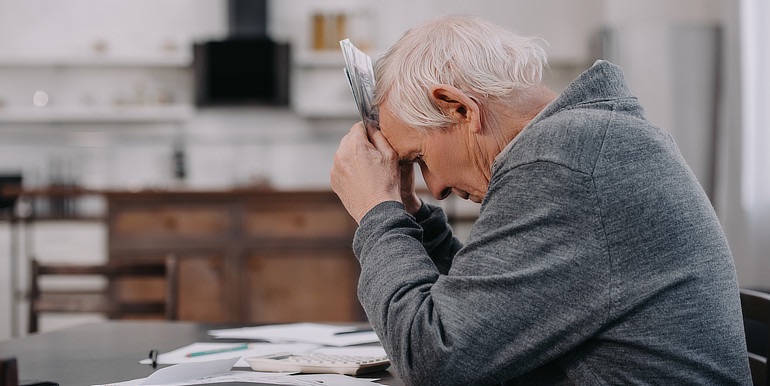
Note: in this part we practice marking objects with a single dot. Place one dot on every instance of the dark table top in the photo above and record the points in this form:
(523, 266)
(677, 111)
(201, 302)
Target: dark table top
(110, 351)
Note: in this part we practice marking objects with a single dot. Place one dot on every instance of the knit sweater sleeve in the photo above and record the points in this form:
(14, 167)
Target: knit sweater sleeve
(530, 284)
(438, 239)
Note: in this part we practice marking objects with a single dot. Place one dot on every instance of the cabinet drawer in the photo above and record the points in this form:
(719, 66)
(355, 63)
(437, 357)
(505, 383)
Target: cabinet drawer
(171, 221)
(301, 286)
(320, 222)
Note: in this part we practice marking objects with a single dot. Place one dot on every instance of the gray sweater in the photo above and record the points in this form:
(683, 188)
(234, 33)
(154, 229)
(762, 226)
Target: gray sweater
(596, 259)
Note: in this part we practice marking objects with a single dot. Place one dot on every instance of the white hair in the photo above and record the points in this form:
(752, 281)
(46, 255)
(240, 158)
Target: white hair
(483, 60)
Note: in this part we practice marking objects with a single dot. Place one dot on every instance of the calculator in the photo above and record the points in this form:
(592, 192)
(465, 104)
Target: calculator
(317, 363)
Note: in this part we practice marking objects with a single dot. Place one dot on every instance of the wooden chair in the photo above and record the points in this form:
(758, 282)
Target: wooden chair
(756, 321)
(9, 372)
(110, 301)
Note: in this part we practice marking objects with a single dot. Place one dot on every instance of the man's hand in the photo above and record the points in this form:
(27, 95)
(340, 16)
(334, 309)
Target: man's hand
(365, 172)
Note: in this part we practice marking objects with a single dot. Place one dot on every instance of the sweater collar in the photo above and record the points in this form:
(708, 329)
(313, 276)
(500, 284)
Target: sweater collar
(602, 81)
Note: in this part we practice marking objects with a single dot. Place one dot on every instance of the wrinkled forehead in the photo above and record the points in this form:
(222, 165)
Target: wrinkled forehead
(405, 140)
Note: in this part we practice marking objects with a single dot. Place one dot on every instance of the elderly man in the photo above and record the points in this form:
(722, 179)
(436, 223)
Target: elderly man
(596, 258)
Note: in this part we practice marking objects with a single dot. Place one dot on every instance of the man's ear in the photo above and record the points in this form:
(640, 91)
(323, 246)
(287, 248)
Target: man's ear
(457, 105)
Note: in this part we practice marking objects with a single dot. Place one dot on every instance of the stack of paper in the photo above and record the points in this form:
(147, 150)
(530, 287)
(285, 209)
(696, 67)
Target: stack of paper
(212, 362)
(229, 350)
(323, 334)
(219, 371)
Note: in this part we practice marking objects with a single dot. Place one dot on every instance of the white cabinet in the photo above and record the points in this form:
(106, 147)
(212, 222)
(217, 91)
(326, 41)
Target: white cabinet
(95, 89)
(97, 62)
(83, 114)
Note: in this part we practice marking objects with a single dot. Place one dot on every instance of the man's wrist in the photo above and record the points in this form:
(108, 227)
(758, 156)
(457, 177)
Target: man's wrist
(413, 204)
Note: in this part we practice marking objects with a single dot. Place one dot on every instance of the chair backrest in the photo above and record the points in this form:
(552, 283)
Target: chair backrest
(172, 287)
(10, 184)
(756, 320)
(9, 372)
(109, 301)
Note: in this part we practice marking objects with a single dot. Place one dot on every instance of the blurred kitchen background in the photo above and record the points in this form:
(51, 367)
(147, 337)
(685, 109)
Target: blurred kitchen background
(169, 95)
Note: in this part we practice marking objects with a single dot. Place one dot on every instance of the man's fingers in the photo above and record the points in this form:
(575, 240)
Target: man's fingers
(358, 129)
(380, 143)
(355, 137)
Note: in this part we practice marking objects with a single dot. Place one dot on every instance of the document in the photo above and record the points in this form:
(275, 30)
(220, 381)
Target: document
(360, 74)
(323, 334)
(226, 350)
(182, 372)
(219, 371)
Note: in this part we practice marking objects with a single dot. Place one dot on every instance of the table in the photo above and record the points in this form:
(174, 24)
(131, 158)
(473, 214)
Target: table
(109, 351)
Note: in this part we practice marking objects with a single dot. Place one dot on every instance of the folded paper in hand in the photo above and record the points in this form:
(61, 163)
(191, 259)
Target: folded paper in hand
(358, 69)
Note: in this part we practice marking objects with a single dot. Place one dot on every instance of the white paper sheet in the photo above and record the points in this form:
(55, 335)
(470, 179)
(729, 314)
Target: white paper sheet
(180, 355)
(282, 379)
(251, 377)
(183, 372)
(334, 379)
(300, 332)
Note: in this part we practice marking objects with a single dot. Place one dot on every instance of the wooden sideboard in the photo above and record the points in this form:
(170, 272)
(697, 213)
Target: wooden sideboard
(244, 256)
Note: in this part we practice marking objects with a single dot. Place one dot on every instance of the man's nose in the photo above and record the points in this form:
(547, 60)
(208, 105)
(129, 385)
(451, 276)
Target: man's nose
(437, 189)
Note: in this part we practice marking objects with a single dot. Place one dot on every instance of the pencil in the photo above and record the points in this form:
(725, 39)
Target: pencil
(357, 330)
(217, 351)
